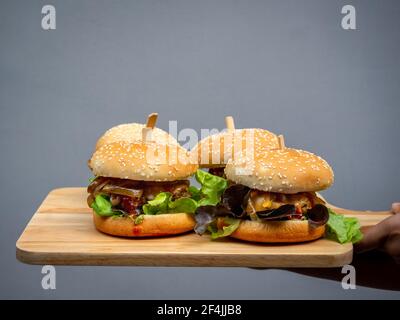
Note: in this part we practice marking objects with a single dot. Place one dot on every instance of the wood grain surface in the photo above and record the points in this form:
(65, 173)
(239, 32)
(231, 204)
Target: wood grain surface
(61, 232)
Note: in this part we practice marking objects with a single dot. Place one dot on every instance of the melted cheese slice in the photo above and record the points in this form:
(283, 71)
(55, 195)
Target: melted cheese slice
(261, 201)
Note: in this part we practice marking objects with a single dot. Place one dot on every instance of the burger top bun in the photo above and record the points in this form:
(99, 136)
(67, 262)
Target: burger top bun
(146, 161)
(283, 170)
(216, 150)
(131, 132)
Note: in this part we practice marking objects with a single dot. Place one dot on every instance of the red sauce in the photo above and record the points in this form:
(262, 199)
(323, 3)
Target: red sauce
(136, 230)
(127, 204)
(130, 205)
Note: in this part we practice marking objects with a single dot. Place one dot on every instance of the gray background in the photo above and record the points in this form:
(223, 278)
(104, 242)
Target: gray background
(282, 65)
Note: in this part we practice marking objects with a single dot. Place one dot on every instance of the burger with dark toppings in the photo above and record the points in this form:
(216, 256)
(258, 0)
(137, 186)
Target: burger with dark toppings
(272, 198)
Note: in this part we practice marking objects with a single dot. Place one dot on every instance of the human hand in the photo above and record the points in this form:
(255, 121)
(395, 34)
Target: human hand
(384, 236)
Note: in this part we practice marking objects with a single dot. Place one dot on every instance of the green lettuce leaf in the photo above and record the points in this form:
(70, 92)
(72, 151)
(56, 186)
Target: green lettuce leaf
(158, 205)
(209, 193)
(163, 203)
(187, 205)
(343, 229)
(211, 189)
(139, 219)
(195, 193)
(102, 206)
(232, 225)
(92, 179)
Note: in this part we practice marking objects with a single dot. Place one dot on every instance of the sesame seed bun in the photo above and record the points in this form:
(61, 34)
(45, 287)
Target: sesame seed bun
(131, 132)
(142, 161)
(277, 231)
(281, 170)
(216, 150)
(151, 226)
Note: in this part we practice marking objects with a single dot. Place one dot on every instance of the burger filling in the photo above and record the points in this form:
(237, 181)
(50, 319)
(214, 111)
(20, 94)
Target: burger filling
(261, 201)
(219, 206)
(131, 198)
(239, 202)
(218, 171)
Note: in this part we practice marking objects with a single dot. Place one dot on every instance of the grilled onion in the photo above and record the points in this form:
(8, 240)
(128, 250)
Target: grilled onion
(112, 189)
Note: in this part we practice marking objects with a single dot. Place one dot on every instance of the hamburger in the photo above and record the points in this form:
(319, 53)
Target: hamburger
(214, 151)
(270, 198)
(138, 192)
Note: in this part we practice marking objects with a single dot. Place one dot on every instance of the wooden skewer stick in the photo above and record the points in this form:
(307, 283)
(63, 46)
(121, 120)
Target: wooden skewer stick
(146, 134)
(281, 141)
(230, 123)
(152, 120)
(150, 124)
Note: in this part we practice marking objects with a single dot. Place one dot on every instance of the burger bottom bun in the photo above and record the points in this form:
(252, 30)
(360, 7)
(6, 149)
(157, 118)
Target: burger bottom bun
(151, 226)
(277, 231)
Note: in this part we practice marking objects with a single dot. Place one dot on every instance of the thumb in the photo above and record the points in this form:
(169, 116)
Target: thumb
(375, 236)
(396, 207)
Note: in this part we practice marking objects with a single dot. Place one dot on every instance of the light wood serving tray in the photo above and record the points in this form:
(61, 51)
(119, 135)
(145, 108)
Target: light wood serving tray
(61, 232)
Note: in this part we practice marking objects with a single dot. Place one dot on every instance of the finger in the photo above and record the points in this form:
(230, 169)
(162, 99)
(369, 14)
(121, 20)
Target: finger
(392, 246)
(374, 237)
(396, 207)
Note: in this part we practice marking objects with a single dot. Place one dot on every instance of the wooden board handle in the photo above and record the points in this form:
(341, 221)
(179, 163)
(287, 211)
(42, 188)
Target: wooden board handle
(354, 212)
(367, 219)
(359, 212)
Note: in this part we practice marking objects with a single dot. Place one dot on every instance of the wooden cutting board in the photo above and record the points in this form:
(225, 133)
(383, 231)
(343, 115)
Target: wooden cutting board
(61, 232)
